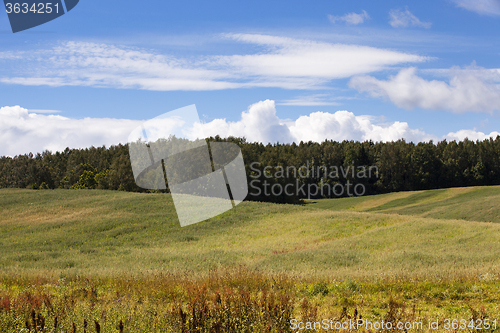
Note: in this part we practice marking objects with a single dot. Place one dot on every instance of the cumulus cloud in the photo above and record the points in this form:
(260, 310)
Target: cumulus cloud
(344, 125)
(400, 18)
(350, 18)
(285, 63)
(23, 132)
(484, 7)
(260, 123)
(467, 90)
(471, 135)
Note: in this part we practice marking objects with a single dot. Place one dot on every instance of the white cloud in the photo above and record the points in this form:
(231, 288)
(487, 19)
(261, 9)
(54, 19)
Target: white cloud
(311, 100)
(485, 7)
(350, 18)
(260, 123)
(404, 18)
(471, 135)
(43, 111)
(486, 74)
(344, 125)
(101, 65)
(285, 63)
(293, 59)
(467, 90)
(22, 132)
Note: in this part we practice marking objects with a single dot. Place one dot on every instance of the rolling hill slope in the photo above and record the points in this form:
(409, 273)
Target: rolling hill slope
(465, 203)
(107, 232)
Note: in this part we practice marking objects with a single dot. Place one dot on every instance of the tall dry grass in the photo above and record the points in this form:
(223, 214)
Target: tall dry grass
(233, 300)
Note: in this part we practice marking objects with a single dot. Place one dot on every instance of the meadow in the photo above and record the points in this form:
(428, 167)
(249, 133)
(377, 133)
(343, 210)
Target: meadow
(110, 261)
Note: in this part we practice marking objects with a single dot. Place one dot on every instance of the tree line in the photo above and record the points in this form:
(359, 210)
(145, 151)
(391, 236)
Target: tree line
(373, 167)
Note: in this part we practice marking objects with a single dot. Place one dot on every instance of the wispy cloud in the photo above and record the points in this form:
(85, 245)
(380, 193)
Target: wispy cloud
(43, 111)
(468, 90)
(295, 58)
(101, 65)
(311, 100)
(284, 62)
(400, 18)
(484, 7)
(350, 18)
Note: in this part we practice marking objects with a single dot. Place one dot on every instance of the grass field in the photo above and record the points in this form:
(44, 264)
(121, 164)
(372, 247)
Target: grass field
(409, 256)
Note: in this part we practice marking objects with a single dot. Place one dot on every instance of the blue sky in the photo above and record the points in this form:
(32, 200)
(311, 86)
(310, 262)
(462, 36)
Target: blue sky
(320, 70)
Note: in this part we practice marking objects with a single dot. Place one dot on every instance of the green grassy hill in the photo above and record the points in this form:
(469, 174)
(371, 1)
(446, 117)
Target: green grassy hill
(105, 232)
(70, 259)
(480, 204)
